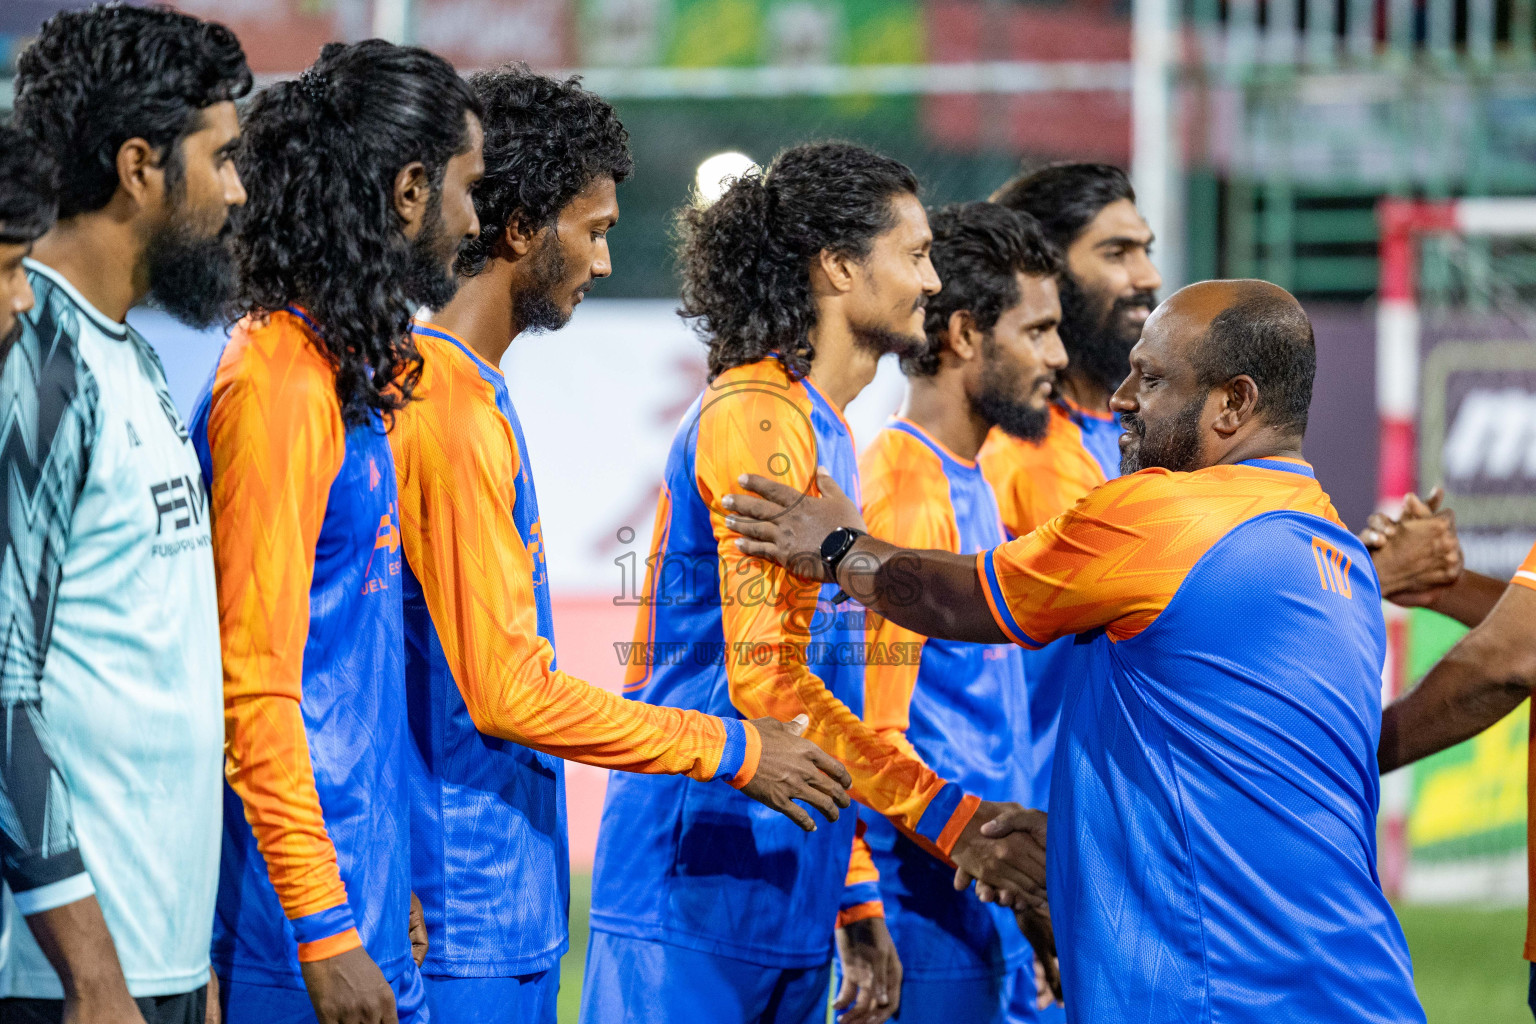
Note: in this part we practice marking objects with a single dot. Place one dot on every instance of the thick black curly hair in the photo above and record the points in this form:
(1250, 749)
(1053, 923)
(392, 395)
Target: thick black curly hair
(28, 188)
(746, 258)
(979, 249)
(319, 158)
(545, 141)
(96, 78)
(1065, 197)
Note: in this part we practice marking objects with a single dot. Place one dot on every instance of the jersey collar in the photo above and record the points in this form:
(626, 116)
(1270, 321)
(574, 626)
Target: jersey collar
(104, 323)
(431, 330)
(1282, 464)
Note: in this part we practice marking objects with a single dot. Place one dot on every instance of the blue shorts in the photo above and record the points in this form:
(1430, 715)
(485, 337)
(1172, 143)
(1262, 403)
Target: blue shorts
(529, 999)
(245, 1002)
(638, 981)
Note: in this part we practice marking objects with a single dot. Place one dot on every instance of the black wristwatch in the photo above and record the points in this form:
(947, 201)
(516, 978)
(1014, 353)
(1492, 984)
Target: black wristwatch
(836, 547)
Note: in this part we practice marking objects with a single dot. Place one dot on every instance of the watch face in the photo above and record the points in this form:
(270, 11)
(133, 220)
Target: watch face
(833, 542)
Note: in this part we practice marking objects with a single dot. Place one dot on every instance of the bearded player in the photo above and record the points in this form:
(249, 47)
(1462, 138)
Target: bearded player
(489, 847)
(360, 175)
(991, 356)
(707, 906)
(110, 747)
(1212, 850)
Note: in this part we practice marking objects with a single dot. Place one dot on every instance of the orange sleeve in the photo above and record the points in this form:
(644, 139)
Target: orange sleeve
(276, 441)
(456, 463)
(906, 502)
(861, 892)
(752, 429)
(1115, 559)
(1525, 575)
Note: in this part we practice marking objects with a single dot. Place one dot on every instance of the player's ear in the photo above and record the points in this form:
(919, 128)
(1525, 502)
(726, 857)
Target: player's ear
(412, 196)
(139, 175)
(1239, 401)
(836, 269)
(961, 336)
(517, 239)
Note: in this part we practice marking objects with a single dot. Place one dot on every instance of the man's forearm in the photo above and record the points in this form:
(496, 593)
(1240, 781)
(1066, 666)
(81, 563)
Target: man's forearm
(1470, 598)
(1456, 701)
(76, 942)
(935, 593)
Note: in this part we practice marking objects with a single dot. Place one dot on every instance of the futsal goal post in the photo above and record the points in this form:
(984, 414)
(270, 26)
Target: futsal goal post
(1456, 402)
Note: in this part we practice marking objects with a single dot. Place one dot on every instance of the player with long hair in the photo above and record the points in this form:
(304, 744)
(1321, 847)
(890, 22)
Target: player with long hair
(359, 175)
(489, 846)
(991, 357)
(110, 747)
(706, 905)
(1212, 851)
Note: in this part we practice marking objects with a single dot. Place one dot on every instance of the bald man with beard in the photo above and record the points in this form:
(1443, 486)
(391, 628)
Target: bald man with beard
(1211, 851)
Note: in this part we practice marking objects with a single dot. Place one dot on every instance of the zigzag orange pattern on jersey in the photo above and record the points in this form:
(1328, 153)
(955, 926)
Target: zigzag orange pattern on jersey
(277, 443)
(755, 420)
(456, 460)
(1117, 558)
(1036, 482)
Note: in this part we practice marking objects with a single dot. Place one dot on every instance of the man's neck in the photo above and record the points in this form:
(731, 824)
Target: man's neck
(842, 367)
(941, 407)
(101, 256)
(1083, 392)
(481, 312)
(1263, 444)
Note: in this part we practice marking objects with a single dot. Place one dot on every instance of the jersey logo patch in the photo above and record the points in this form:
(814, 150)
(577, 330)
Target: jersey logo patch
(1332, 567)
(133, 436)
(182, 500)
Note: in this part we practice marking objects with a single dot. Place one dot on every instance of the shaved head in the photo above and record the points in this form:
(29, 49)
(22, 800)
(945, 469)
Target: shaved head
(1258, 329)
(1218, 364)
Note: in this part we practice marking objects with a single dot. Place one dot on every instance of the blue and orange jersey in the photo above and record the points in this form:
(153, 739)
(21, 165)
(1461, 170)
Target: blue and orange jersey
(961, 707)
(307, 547)
(1212, 849)
(700, 866)
(491, 715)
(1035, 482)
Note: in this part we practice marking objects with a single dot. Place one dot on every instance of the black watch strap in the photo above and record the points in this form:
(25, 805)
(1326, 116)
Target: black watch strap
(836, 547)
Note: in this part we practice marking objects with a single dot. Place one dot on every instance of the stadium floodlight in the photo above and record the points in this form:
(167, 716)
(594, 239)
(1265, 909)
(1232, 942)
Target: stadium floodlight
(716, 174)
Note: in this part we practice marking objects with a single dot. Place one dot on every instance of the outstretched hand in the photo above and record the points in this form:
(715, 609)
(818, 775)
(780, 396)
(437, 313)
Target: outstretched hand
(790, 768)
(1002, 849)
(786, 526)
(1418, 555)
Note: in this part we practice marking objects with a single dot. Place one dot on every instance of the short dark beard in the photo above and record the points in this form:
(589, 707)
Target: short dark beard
(1097, 346)
(536, 307)
(429, 277)
(881, 341)
(1175, 448)
(996, 399)
(191, 275)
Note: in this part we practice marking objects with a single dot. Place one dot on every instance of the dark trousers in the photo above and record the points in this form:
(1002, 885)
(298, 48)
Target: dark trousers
(187, 1008)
